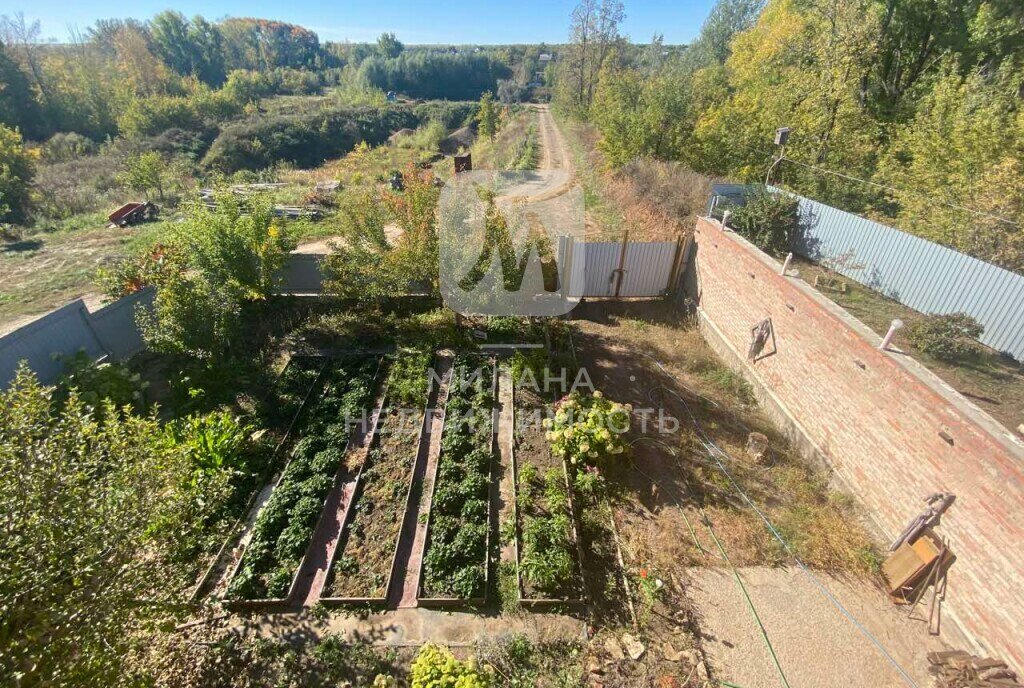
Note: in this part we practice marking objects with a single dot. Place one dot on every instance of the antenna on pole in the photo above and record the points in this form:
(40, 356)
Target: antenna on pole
(781, 138)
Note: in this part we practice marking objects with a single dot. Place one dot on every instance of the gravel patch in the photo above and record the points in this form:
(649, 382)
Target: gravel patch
(816, 645)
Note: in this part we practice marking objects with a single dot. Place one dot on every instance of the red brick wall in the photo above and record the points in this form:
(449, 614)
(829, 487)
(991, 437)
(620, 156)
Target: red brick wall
(875, 418)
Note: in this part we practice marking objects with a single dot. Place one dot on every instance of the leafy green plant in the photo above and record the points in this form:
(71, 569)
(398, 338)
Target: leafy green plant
(122, 496)
(436, 667)
(769, 219)
(212, 266)
(547, 559)
(456, 557)
(588, 429)
(952, 337)
(284, 526)
(213, 442)
(407, 379)
(547, 549)
(99, 382)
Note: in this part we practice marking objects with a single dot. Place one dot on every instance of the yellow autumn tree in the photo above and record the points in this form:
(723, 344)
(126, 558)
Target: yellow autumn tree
(956, 167)
(800, 66)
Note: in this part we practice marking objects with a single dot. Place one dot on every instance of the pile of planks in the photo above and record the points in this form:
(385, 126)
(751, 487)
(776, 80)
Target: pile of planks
(958, 669)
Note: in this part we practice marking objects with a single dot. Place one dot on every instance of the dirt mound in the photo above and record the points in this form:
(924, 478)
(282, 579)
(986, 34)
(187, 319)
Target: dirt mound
(460, 138)
(401, 134)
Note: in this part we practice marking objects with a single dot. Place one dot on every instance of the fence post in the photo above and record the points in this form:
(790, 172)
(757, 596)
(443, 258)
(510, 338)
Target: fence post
(785, 266)
(622, 262)
(677, 260)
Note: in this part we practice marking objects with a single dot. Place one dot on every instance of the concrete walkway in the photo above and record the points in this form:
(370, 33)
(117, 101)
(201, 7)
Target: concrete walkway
(504, 474)
(412, 627)
(816, 645)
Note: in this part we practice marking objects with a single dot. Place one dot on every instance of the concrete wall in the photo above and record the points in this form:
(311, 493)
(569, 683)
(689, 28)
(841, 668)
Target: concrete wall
(108, 332)
(892, 431)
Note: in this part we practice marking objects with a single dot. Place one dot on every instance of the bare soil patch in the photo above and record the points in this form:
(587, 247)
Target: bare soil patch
(817, 647)
(670, 476)
(364, 565)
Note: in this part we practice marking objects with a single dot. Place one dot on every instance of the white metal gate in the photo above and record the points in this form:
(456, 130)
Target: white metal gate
(627, 268)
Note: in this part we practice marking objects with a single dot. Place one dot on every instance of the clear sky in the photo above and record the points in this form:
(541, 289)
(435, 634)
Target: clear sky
(414, 21)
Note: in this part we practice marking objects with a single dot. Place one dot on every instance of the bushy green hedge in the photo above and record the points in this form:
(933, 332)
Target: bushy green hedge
(308, 139)
(285, 525)
(456, 555)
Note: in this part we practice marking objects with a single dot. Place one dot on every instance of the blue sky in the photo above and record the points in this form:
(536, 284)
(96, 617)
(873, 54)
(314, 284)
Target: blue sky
(415, 21)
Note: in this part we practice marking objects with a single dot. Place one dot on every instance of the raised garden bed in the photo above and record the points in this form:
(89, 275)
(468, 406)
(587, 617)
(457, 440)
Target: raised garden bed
(456, 569)
(267, 571)
(363, 566)
(281, 411)
(547, 542)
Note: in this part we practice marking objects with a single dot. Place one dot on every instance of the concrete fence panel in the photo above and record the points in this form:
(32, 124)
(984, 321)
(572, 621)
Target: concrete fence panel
(62, 332)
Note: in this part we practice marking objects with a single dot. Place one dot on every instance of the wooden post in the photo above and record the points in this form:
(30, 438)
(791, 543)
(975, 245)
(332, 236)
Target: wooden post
(622, 263)
(673, 276)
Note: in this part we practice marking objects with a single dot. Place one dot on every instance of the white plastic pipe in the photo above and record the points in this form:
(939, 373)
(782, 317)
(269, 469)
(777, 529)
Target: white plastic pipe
(785, 266)
(725, 219)
(896, 325)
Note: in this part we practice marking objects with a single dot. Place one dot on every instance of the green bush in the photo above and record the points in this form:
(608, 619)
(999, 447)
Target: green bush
(588, 429)
(97, 383)
(950, 337)
(769, 220)
(305, 139)
(436, 667)
(17, 168)
(65, 146)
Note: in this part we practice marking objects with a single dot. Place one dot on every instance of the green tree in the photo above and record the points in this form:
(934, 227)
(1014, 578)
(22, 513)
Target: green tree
(487, 116)
(727, 18)
(18, 107)
(79, 499)
(145, 172)
(956, 167)
(212, 267)
(389, 46)
(799, 66)
(190, 48)
(593, 33)
(17, 168)
(366, 265)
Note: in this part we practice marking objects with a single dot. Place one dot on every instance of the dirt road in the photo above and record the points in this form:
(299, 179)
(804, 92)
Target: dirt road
(554, 175)
(555, 154)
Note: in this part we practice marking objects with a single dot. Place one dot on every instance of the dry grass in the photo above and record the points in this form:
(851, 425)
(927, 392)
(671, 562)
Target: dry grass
(652, 199)
(993, 382)
(671, 477)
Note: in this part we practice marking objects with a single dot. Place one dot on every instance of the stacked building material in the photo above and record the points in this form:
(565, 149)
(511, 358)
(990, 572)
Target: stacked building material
(958, 669)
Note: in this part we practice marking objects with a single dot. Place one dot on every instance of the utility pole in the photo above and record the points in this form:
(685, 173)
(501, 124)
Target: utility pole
(781, 138)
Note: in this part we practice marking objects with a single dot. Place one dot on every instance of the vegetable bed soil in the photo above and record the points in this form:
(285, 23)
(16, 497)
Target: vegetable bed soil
(362, 569)
(456, 570)
(268, 569)
(283, 407)
(543, 500)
